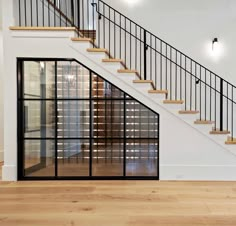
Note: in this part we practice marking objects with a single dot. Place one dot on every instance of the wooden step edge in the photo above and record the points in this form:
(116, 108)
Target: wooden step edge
(203, 122)
(126, 71)
(96, 50)
(188, 112)
(230, 141)
(173, 101)
(13, 28)
(218, 132)
(142, 81)
(81, 39)
(111, 60)
(153, 91)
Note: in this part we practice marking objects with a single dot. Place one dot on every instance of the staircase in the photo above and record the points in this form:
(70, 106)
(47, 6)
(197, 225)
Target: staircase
(166, 73)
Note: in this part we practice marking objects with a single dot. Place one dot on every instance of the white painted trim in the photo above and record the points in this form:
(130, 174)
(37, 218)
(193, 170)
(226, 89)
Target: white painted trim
(198, 172)
(9, 173)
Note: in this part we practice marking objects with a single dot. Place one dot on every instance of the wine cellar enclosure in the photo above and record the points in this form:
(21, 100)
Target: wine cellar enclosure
(73, 124)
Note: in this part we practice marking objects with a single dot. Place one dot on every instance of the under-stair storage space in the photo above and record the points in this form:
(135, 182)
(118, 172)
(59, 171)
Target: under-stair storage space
(75, 124)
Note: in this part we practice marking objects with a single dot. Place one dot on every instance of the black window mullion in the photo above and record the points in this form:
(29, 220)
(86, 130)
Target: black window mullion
(124, 145)
(56, 123)
(90, 125)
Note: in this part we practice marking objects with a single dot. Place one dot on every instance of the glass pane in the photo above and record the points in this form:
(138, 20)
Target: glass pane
(107, 157)
(39, 79)
(73, 119)
(103, 89)
(73, 157)
(141, 157)
(140, 121)
(108, 118)
(39, 158)
(39, 119)
(72, 81)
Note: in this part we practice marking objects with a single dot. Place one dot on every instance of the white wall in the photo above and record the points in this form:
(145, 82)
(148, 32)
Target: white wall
(185, 153)
(190, 26)
(1, 86)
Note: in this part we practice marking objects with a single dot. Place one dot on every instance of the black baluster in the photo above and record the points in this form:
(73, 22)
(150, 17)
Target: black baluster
(31, 13)
(221, 104)
(25, 14)
(20, 13)
(205, 97)
(145, 54)
(161, 81)
(114, 34)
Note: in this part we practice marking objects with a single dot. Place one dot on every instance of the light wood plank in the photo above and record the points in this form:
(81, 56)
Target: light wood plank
(158, 91)
(42, 28)
(230, 141)
(188, 112)
(173, 102)
(81, 39)
(203, 122)
(218, 132)
(111, 60)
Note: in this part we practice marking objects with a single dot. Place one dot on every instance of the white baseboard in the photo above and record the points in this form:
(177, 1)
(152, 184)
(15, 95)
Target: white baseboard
(198, 172)
(9, 173)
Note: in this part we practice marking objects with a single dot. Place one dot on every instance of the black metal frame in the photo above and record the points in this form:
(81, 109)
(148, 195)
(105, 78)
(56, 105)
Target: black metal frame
(21, 138)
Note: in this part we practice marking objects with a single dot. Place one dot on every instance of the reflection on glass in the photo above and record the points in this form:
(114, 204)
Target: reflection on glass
(39, 158)
(72, 81)
(73, 119)
(39, 79)
(39, 119)
(108, 118)
(73, 157)
(141, 157)
(103, 89)
(108, 157)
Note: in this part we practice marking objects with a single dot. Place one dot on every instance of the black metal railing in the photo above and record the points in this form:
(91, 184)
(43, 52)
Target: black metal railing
(154, 59)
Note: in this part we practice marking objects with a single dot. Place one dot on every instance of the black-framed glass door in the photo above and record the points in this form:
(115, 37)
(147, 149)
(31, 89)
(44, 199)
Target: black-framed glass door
(73, 124)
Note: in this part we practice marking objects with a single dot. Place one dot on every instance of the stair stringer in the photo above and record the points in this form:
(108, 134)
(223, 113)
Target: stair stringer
(185, 152)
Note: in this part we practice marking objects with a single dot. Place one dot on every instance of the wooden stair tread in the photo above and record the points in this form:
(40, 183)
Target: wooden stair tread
(127, 71)
(186, 112)
(158, 91)
(97, 50)
(173, 101)
(111, 60)
(230, 141)
(142, 81)
(218, 132)
(203, 122)
(42, 28)
(81, 39)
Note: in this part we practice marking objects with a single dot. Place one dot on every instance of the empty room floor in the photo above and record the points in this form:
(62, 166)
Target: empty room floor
(117, 203)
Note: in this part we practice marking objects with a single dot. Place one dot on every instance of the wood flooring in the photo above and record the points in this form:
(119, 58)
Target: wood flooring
(117, 203)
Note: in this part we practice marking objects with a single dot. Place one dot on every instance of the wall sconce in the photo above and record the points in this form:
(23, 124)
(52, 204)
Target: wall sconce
(215, 45)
